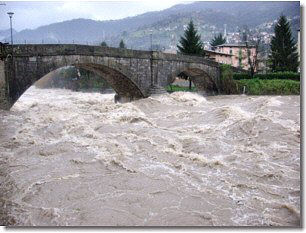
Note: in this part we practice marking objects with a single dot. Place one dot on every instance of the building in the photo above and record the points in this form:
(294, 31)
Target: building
(219, 57)
(238, 54)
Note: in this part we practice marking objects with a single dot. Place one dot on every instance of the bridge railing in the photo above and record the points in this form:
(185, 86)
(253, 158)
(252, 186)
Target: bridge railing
(31, 42)
(62, 42)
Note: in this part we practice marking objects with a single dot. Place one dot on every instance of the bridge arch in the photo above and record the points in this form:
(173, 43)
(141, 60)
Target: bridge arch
(203, 82)
(120, 81)
(117, 75)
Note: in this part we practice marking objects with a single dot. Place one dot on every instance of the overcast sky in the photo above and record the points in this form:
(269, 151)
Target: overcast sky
(30, 14)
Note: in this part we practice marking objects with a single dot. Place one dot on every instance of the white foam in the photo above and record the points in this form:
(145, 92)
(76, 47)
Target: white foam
(188, 98)
(208, 157)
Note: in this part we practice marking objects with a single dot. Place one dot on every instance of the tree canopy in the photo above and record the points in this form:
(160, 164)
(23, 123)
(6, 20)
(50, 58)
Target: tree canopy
(284, 56)
(104, 44)
(191, 42)
(218, 40)
(121, 44)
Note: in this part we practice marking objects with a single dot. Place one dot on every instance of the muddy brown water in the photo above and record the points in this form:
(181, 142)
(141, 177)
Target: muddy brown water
(79, 159)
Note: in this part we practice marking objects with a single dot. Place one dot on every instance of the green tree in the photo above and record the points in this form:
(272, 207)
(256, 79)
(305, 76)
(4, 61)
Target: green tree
(191, 43)
(121, 44)
(104, 44)
(284, 56)
(218, 40)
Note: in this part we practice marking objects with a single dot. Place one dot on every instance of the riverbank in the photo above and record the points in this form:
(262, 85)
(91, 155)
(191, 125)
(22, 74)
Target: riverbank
(268, 87)
(253, 87)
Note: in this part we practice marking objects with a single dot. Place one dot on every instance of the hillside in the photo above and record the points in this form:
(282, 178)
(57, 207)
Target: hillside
(166, 26)
(6, 33)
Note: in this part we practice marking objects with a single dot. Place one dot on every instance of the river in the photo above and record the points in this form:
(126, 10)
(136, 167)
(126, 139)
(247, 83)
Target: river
(78, 159)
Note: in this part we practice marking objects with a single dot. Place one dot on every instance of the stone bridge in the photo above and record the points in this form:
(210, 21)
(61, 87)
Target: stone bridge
(131, 73)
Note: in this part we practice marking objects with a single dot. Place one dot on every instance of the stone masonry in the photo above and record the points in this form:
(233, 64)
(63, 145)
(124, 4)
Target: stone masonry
(131, 73)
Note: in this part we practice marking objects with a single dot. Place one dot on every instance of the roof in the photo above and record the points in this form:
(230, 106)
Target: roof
(215, 52)
(234, 45)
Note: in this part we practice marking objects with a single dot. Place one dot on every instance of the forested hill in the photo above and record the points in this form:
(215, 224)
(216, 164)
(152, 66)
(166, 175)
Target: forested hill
(166, 26)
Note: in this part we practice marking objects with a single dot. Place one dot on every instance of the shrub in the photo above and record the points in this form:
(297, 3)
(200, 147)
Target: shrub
(239, 76)
(228, 84)
(269, 87)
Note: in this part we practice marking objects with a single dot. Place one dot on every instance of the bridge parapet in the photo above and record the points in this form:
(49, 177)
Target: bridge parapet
(184, 58)
(73, 49)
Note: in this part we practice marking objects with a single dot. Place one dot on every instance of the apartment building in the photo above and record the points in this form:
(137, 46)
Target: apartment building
(237, 52)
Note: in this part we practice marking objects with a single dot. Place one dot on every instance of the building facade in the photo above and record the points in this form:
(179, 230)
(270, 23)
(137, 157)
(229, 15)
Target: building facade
(223, 58)
(238, 54)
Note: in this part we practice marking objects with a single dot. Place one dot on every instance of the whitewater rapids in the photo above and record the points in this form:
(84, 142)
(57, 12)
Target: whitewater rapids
(78, 159)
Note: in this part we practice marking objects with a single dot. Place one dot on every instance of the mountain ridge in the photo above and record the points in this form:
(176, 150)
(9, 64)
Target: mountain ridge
(165, 26)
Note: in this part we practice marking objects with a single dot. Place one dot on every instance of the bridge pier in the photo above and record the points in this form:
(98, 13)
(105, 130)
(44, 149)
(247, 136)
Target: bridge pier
(4, 96)
(123, 99)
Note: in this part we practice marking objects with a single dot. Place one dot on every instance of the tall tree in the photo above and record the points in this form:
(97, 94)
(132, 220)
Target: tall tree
(218, 40)
(191, 43)
(104, 44)
(121, 44)
(284, 56)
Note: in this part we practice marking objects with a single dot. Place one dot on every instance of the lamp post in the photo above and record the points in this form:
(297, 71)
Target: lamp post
(11, 15)
(151, 32)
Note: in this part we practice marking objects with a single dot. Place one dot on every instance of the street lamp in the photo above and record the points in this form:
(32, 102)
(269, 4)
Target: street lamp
(10, 15)
(151, 32)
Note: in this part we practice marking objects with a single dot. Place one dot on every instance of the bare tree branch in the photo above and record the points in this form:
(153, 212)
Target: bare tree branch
(253, 60)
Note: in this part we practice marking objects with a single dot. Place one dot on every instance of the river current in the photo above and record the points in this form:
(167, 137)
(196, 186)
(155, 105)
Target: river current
(78, 159)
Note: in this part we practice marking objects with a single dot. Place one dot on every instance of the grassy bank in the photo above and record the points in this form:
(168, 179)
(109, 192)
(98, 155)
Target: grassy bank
(173, 88)
(278, 75)
(269, 87)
